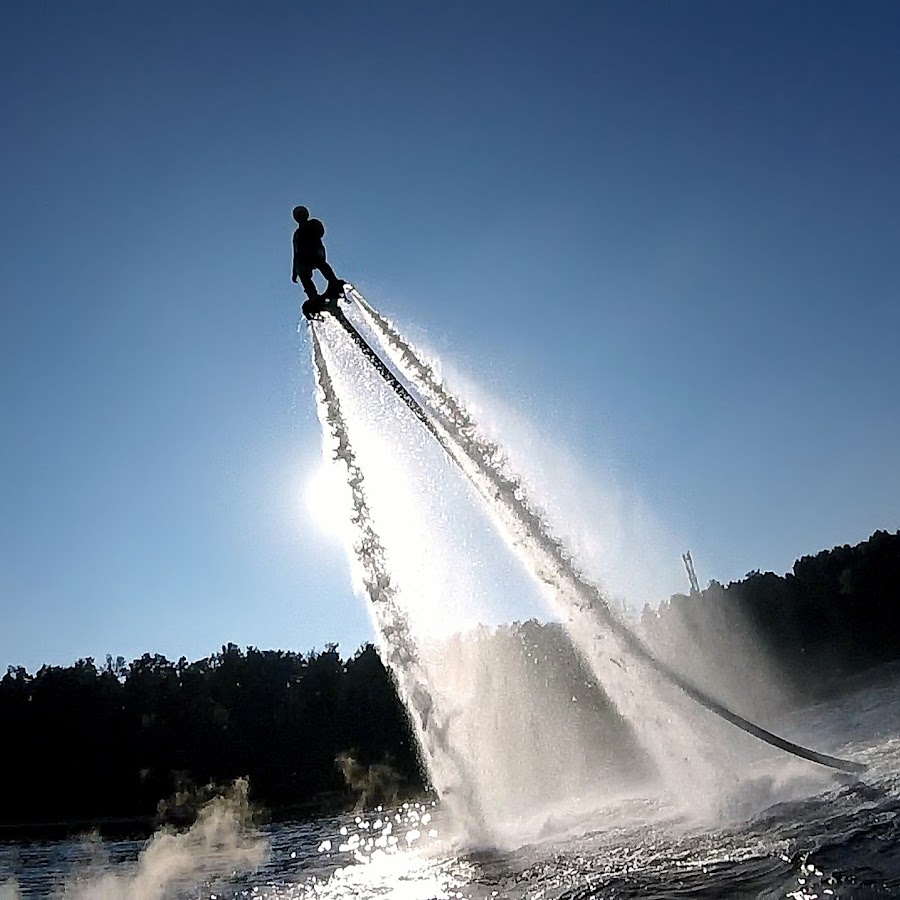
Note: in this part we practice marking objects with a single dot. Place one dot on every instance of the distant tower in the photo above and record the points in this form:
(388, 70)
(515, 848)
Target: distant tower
(692, 575)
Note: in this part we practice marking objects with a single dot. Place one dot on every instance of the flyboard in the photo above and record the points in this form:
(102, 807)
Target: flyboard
(313, 310)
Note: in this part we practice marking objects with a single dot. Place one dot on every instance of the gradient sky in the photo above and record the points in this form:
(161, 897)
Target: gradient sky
(667, 233)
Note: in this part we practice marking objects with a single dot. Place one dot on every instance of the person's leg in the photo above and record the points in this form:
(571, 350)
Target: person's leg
(309, 285)
(326, 270)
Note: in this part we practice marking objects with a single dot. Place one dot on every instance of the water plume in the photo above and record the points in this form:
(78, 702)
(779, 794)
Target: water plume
(217, 845)
(600, 634)
(514, 711)
(377, 784)
(9, 890)
(614, 653)
(445, 765)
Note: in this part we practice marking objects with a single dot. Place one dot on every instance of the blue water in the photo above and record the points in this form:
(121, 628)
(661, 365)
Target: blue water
(784, 829)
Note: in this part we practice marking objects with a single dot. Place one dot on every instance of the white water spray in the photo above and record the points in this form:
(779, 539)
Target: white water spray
(551, 562)
(446, 766)
(219, 845)
(653, 697)
(676, 740)
(519, 741)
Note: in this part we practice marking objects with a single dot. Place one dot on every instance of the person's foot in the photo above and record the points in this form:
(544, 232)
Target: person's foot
(335, 289)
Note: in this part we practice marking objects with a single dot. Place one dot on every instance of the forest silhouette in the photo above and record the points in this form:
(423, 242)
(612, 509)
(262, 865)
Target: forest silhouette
(125, 746)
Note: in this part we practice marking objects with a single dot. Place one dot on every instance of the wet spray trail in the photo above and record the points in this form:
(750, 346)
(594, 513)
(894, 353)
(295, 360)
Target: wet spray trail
(607, 642)
(446, 767)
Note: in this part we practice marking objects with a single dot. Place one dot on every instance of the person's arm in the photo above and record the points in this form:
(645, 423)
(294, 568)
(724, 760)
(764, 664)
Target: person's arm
(295, 266)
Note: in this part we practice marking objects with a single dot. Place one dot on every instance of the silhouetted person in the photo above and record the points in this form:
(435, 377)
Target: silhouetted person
(309, 255)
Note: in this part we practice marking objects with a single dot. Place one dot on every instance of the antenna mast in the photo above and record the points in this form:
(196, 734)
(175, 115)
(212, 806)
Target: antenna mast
(692, 575)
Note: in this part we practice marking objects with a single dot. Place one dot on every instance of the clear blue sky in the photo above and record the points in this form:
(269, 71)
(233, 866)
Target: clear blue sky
(665, 233)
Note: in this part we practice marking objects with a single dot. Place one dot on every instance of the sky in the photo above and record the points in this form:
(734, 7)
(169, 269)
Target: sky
(663, 234)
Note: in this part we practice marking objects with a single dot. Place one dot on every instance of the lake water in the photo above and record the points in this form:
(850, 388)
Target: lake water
(784, 828)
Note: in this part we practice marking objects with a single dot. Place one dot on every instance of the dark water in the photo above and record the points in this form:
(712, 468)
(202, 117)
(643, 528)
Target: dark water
(783, 828)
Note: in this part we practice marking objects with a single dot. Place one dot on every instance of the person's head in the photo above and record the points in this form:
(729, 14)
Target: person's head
(301, 214)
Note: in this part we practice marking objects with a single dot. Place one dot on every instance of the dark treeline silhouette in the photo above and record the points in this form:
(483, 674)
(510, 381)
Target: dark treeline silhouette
(87, 743)
(134, 741)
(770, 640)
(312, 733)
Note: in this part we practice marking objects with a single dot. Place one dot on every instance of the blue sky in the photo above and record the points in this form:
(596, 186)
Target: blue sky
(665, 233)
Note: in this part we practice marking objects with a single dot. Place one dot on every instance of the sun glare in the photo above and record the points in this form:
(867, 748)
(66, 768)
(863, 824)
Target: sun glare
(327, 501)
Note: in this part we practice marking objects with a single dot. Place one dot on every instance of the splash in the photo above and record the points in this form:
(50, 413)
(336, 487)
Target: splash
(512, 713)
(9, 890)
(674, 739)
(219, 844)
(600, 634)
(446, 766)
(480, 724)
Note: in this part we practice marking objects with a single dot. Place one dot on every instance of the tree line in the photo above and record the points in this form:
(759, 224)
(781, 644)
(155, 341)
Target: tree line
(778, 640)
(88, 742)
(138, 742)
(135, 741)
